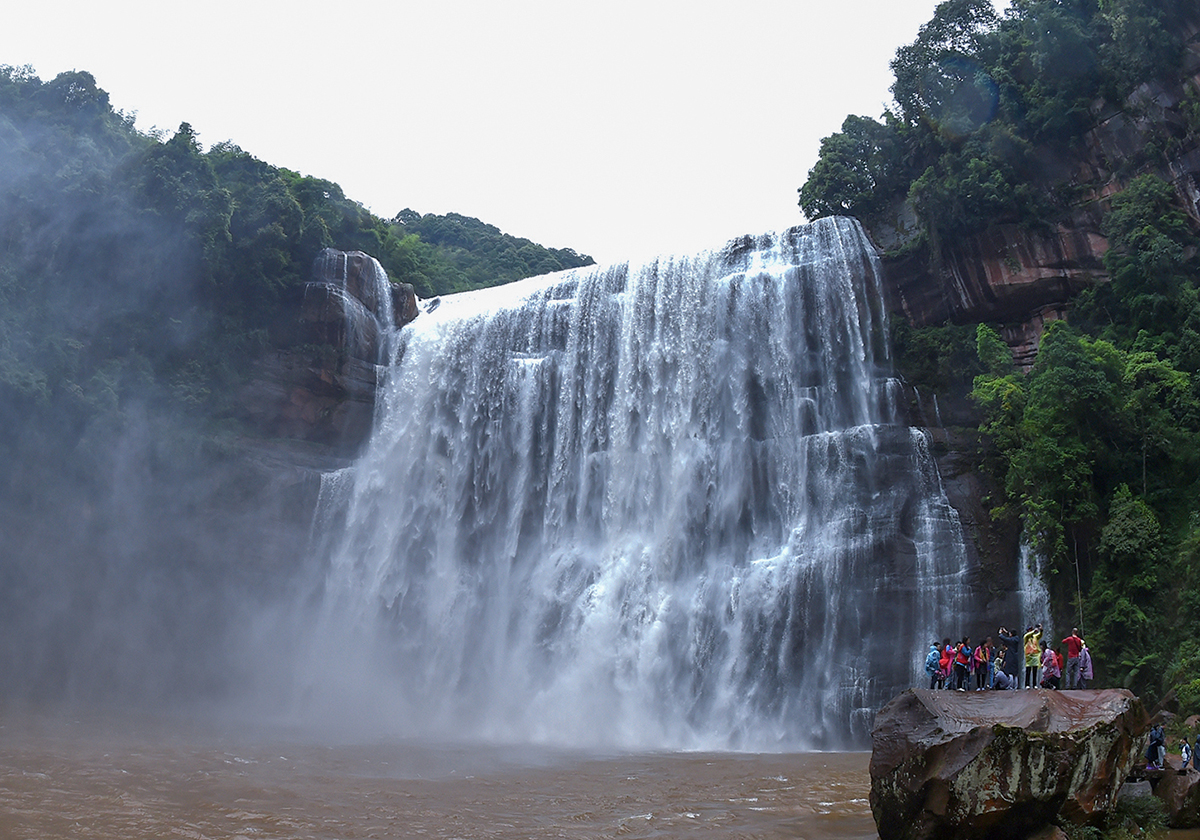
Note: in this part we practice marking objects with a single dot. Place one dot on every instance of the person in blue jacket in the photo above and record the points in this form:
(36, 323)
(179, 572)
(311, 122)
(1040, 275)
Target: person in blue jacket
(932, 664)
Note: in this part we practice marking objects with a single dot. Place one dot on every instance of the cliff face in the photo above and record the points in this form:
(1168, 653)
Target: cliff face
(322, 390)
(1021, 277)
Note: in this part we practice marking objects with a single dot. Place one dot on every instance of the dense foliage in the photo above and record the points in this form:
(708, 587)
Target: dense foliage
(1099, 445)
(477, 254)
(133, 263)
(1095, 451)
(983, 105)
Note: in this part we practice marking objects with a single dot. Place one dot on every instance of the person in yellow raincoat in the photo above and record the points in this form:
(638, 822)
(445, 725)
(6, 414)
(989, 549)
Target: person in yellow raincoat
(1033, 654)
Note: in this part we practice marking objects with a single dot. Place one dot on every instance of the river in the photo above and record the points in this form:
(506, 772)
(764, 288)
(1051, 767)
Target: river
(121, 777)
(113, 778)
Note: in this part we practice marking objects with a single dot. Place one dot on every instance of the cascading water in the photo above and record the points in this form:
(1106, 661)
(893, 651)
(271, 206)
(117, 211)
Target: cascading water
(1032, 591)
(668, 505)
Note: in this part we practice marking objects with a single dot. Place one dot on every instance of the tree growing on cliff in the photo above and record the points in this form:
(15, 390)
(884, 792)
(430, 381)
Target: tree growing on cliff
(858, 169)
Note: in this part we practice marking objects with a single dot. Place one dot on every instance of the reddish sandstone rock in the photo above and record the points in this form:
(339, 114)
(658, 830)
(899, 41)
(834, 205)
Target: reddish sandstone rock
(1180, 793)
(1002, 764)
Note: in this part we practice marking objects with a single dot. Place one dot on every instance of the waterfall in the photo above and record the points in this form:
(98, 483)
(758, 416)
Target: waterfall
(1031, 588)
(658, 505)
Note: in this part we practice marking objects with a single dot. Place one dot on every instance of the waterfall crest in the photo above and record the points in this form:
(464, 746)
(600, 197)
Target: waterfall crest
(659, 505)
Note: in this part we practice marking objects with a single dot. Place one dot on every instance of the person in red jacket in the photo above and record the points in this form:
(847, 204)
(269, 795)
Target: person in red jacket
(946, 664)
(962, 664)
(1074, 645)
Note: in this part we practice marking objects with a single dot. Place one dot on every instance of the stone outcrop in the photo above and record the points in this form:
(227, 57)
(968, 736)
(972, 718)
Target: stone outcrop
(1180, 792)
(1000, 764)
(1002, 274)
(321, 390)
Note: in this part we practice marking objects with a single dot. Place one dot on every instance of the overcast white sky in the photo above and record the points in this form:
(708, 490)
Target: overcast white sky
(619, 128)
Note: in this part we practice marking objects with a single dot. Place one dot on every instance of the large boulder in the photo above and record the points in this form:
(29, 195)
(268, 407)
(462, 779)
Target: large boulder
(1000, 764)
(1180, 792)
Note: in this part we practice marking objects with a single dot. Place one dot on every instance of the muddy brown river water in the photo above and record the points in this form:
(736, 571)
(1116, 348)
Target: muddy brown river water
(104, 778)
(97, 780)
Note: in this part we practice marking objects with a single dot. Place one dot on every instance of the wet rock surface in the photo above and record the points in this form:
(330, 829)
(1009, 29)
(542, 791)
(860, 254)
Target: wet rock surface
(1003, 764)
(1180, 792)
(321, 391)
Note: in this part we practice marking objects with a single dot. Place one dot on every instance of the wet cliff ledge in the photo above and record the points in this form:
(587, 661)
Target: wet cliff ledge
(949, 765)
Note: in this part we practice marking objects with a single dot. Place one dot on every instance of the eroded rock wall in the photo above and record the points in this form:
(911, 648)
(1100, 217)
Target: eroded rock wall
(321, 390)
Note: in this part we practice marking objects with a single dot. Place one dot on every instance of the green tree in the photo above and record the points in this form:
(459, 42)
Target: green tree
(856, 170)
(1124, 603)
(941, 77)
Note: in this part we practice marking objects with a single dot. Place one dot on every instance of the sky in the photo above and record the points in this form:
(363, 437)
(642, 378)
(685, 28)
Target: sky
(621, 129)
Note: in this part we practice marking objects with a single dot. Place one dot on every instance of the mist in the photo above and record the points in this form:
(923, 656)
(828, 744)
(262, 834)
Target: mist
(135, 539)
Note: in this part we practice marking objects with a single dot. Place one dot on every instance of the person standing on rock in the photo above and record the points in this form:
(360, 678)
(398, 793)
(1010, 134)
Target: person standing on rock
(1033, 654)
(1074, 646)
(1085, 665)
(933, 665)
(946, 664)
(962, 664)
(1012, 652)
(1050, 667)
(1156, 750)
(981, 663)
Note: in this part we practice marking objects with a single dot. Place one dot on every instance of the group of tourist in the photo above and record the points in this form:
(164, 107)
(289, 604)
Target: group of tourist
(1156, 751)
(959, 666)
(1159, 760)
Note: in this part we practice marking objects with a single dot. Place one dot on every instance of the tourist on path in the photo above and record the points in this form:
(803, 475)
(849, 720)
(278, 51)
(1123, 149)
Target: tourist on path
(1033, 653)
(962, 663)
(933, 664)
(982, 665)
(1156, 750)
(1074, 646)
(946, 664)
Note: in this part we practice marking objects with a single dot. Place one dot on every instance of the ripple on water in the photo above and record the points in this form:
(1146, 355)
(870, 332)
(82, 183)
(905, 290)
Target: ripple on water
(158, 780)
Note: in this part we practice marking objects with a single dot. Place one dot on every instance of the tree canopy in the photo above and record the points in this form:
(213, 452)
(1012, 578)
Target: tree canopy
(127, 255)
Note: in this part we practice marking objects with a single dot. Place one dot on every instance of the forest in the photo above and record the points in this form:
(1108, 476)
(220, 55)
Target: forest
(1095, 450)
(138, 269)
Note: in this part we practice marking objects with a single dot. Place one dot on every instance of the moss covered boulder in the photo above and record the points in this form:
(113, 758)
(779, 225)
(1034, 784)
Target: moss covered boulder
(1000, 764)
